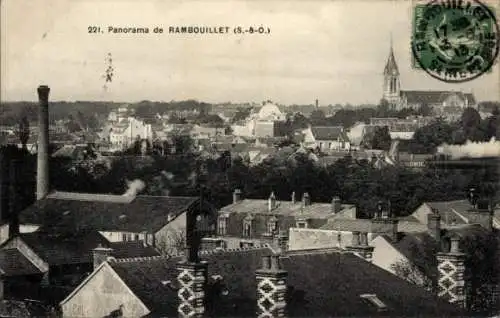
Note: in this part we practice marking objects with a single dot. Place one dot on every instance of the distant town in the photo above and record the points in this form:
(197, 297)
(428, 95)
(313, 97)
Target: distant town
(191, 209)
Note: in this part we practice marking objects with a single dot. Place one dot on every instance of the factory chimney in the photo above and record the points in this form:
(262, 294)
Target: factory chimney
(42, 174)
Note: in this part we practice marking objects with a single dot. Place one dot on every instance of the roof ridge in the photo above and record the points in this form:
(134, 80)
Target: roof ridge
(138, 259)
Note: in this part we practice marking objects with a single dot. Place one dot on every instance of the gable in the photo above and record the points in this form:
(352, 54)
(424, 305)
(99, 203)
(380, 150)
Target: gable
(385, 254)
(26, 251)
(100, 294)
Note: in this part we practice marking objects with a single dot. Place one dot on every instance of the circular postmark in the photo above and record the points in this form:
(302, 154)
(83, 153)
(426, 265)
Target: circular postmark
(455, 41)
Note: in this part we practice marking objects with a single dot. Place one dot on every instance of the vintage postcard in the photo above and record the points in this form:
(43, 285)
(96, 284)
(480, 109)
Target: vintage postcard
(232, 158)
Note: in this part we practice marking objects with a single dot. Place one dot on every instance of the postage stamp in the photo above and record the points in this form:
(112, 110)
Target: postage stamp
(454, 41)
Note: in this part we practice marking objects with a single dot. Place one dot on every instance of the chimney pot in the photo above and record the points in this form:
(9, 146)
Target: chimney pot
(237, 196)
(266, 262)
(455, 245)
(271, 202)
(100, 254)
(434, 225)
(363, 238)
(275, 263)
(306, 199)
(294, 200)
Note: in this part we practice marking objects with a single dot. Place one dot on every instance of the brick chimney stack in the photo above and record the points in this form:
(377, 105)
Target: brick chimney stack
(384, 223)
(336, 205)
(359, 246)
(451, 270)
(100, 254)
(13, 198)
(192, 275)
(271, 288)
(434, 225)
(42, 175)
(237, 196)
(482, 213)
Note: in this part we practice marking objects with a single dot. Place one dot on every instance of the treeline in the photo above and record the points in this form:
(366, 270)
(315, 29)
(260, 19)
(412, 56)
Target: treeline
(187, 174)
(470, 127)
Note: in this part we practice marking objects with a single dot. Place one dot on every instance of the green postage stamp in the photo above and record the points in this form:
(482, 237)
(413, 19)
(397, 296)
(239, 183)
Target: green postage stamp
(454, 41)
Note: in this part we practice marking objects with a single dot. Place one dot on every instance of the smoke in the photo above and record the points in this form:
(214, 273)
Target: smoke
(471, 149)
(134, 187)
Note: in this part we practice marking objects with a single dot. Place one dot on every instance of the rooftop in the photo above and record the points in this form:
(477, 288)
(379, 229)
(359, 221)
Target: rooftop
(14, 263)
(66, 210)
(320, 283)
(288, 208)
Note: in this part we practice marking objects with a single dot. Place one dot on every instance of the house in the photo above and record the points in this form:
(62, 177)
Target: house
(253, 222)
(339, 231)
(123, 133)
(158, 220)
(458, 212)
(326, 138)
(47, 265)
(418, 257)
(251, 282)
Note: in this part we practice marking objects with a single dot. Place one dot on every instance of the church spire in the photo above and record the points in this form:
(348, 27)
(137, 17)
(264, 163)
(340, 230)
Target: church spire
(391, 68)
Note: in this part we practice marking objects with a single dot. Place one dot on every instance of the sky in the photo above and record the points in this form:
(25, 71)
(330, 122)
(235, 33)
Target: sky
(334, 51)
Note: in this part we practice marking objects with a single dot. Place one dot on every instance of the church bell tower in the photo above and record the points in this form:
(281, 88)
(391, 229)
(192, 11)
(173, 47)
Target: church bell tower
(391, 81)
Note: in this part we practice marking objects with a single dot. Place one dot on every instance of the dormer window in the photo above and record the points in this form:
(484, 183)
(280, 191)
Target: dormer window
(302, 225)
(222, 225)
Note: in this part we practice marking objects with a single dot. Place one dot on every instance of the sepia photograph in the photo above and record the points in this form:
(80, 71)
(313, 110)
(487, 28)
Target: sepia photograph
(237, 158)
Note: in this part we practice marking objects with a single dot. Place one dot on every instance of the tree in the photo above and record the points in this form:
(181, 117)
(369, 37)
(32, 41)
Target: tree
(381, 138)
(24, 131)
(426, 139)
(182, 143)
(425, 110)
(317, 117)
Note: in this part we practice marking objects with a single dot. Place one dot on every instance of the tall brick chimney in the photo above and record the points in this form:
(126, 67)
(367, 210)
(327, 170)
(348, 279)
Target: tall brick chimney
(13, 199)
(193, 273)
(271, 202)
(451, 270)
(42, 175)
(271, 288)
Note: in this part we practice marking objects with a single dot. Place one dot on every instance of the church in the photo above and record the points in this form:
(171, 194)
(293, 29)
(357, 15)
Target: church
(440, 101)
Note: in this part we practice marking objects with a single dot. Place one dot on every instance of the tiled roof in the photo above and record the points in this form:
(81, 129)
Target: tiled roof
(364, 225)
(14, 263)
(329, 133)
(105, 212)
(18, 309)
(434, 97)
(457, 211)
(324, 283)
(59, 249)
(130, 249)
(254, 206)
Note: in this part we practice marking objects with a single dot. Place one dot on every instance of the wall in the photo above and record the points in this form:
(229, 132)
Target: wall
(421, 213)
(103, 293)
(23, 228)
(169, 238)
(384, 254)
(264, 129)
(113, 236)
(301, 239)
(404, 135)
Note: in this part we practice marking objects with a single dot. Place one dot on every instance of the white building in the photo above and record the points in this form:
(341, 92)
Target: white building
(123, 133)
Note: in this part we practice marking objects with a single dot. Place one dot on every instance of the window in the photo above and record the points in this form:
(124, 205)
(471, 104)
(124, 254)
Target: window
(136, 237)
(247, 228)
(222, 225)
(124, 237)
(301, 225)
